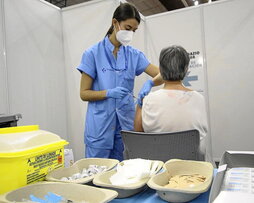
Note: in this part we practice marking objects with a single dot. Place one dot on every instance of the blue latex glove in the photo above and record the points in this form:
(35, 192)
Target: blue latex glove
(53, 198)
(50, 198)
(117, 93)
(145, 91)
(36, 199)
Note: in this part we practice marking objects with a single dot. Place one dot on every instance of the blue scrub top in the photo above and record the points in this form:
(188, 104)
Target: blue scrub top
(108, 72)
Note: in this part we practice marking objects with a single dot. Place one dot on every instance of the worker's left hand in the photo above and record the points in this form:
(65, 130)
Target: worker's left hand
(145, 91)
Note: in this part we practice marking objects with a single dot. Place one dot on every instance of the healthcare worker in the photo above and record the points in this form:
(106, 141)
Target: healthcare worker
(108, 71)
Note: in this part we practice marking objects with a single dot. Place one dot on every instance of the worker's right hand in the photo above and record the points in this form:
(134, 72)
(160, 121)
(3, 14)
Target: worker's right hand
(145, 91)
(117, 93)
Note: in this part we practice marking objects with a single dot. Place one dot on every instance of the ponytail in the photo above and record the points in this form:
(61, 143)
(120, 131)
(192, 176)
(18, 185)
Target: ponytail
(110, 31)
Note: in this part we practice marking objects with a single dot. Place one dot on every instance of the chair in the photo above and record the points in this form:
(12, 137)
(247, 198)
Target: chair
(162, 146)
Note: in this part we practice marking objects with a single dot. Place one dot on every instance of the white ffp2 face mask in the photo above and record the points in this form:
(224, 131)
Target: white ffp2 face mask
(124, 36)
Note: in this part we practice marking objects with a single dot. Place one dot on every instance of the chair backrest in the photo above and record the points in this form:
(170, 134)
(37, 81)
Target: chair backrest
(162, 146)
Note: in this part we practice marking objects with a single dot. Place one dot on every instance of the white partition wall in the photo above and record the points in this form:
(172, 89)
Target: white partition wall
(4, 106)
(35, 64)
(223, 33)
(183, 28)
(229, 34)
(83, 26)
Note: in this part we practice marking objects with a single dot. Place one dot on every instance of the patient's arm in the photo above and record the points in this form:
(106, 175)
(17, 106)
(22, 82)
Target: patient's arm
(138, 120)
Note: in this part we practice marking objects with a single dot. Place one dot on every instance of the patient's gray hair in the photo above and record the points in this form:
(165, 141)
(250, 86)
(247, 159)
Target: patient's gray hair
(174, 61)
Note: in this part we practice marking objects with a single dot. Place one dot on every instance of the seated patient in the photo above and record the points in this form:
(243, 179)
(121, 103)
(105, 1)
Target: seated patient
(174, 107)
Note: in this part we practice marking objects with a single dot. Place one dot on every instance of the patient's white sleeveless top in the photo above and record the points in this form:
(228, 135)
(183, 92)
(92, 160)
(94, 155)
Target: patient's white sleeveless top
(174, 110)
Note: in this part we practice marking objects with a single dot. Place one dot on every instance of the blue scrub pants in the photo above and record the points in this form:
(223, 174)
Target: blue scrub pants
(115, 153)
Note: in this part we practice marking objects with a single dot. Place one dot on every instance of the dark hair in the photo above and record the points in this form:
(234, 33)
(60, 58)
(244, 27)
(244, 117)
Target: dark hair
(123, 12)
(174, 61)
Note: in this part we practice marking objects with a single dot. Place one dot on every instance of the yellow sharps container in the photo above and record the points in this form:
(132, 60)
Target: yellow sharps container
(27, 154)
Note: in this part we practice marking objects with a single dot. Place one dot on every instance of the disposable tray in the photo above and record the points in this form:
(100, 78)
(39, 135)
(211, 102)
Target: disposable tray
(103, 180)
(77, 167)
(177, 167)
(230, 159)
(73, 192)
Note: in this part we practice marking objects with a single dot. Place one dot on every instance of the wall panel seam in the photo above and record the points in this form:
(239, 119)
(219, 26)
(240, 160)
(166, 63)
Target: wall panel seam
(5, 68)
(202, 25)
